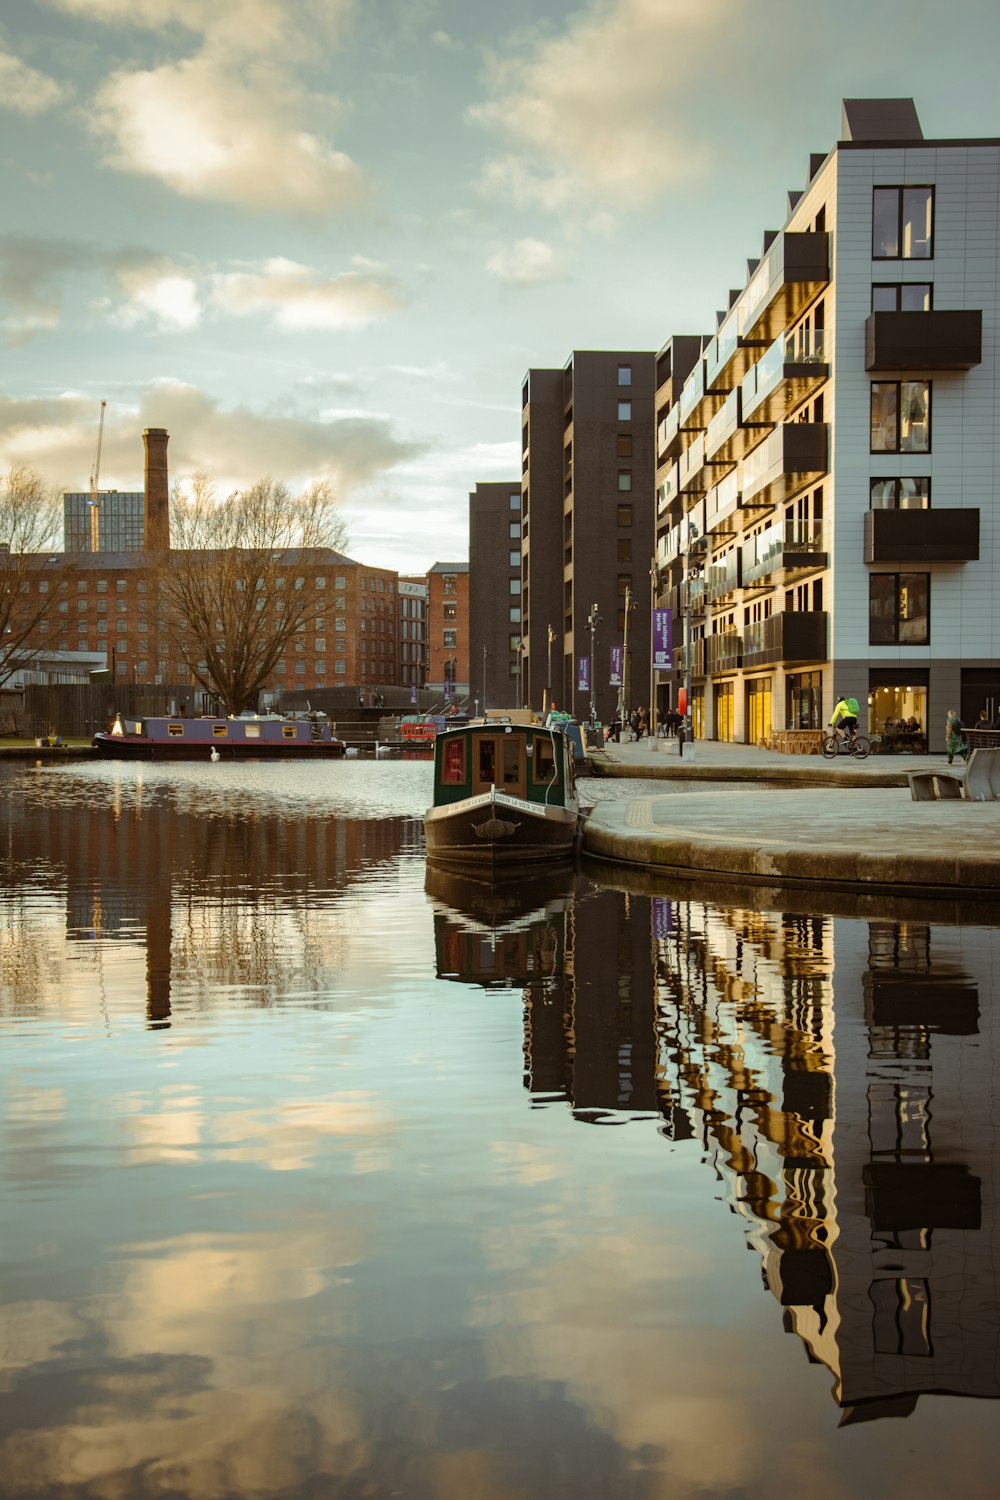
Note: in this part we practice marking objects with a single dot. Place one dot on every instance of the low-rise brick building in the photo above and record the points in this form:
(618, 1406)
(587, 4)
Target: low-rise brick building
(448, 628)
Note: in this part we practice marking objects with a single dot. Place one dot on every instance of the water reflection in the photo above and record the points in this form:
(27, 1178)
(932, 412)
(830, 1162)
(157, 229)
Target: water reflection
(294, 1198)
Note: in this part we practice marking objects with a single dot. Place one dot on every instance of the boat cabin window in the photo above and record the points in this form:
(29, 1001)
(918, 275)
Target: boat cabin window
(175, 729)
(252, 731)
(220, 731)
(545, 763)
(453, 772)
(288, 731)
(487, 761)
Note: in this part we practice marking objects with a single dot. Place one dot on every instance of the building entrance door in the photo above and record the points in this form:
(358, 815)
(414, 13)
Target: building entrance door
(758, 710)
(725, 717)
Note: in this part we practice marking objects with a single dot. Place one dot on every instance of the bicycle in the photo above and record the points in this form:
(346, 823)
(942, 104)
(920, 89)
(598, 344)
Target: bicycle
(857, 744)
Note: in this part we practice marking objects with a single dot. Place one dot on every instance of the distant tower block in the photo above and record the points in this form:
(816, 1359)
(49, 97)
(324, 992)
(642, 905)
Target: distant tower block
(157, 529)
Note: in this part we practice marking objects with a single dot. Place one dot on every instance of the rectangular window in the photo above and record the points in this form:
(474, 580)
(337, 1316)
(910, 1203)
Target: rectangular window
(624, 445)
(450, 637)
(901, 494)
(515, 501)
(514, 558)
(340, 583)
(903, 223)
(624, 583)
(624, 411)
(514, 586)
(624, 549)
(451, 611)
(177, 730)
(902, 296)
(515, 614)
(515, 531)
(219, 731)
(102, 585)
(448, 583)
(624, 374)
(120, 585)
(624, 480)
(899, 609)
(624, 515)
(901, 416)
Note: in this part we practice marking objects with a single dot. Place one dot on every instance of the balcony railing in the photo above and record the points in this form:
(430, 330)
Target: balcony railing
(794, 366)
(668, 547)
(792, 636)
(722, 503)
(938, 340)
(723, 577)
(692, 466)
(793, 272)
(723, 652)
(669, 489)
(786, 547)
(668, 434)
(728, 357)
(791, 457)
(697, 655)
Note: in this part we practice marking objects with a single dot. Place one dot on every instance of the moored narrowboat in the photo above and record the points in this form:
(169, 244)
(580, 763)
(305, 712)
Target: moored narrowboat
(504, 794)
(247, 737)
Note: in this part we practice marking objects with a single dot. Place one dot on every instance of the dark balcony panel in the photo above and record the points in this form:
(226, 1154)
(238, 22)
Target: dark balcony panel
(793, 456)
(792, 273)
(922, 536)
(792, 636)
(921, 1195)
(723, 652)
(948, 1006)
(939, 340)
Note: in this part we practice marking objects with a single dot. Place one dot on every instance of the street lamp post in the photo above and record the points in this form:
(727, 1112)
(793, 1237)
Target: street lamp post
(696, 548)
(546, 706)
(625, 690)
(593, 620)
(485, 655)
(654, 579)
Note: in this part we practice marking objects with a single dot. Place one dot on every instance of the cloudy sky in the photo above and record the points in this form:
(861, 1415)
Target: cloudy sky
(326, 238)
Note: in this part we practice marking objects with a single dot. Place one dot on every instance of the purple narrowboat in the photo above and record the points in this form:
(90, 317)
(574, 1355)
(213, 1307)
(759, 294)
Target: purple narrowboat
(248, 737)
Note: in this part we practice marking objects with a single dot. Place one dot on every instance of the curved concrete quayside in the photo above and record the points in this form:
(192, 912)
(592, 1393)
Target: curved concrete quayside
(858, 838)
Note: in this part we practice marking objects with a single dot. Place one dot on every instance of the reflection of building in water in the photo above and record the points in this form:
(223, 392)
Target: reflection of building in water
(831, 1067)
(219, 899)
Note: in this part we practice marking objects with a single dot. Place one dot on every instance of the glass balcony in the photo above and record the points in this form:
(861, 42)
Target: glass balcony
(792, 456)
(723, 577)
(668, 434)
(792, 274)
(697, 403)
(691, 469)
(668, 547)
(787, 548)
(697, 654)
(792, 636)
(792, 369)
(728, 357)
(669, 489)
(722, 502)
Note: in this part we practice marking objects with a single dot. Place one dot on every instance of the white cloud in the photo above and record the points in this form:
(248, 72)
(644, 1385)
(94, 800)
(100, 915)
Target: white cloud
(244, 28)
(592, 111)
(299, 298)
(208, 132)
(24, 90)
(158, 294)
(525, 262)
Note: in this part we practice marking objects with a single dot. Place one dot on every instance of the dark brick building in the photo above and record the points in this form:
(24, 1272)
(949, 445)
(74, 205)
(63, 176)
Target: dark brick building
(494, 592)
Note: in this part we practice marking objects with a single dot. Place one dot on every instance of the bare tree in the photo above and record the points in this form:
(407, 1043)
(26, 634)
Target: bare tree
(33, 569)
(240, 580)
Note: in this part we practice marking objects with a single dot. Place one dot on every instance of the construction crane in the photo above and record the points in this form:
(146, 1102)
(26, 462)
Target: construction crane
(95, 504)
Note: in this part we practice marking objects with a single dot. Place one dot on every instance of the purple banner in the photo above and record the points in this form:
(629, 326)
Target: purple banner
(583, 674)
(413, 693)
(663, 920)
(447, 687)
(617, 666)
(663, 639)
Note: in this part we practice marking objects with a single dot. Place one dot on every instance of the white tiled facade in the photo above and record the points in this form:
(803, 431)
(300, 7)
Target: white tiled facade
(957, 665)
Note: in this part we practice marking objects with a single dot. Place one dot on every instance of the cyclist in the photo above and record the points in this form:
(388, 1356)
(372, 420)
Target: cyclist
(846, 712)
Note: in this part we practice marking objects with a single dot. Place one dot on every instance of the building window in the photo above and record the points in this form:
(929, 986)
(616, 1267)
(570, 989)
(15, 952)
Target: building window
(102, 585)
(515, 531)
(514, 585)
(624, 515)
(624, 411)
(624, 583)
(450, 637)
(902, 296)
(624, 549)
(515, 558)
(320, 643)
(624, 374)
(451, 611)
(901, 416)
(515, 614)
(515, 501)
(448, 583)
(321, 583)
(120, 585)
(43, 587)
(340, 667)
(81, 586)
(901, 494)
(340, 583)
(899, 609)
(903, 223)
(515, 642)
(624, 445)
(624, 480)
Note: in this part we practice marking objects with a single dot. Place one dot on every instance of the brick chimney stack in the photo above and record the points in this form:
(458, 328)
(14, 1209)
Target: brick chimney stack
(156, 537)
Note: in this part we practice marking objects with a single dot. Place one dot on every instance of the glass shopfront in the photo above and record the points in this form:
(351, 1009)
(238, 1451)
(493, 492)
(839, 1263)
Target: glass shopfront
(804, 701)
(897, 711)
(758, 710)
(725, 716)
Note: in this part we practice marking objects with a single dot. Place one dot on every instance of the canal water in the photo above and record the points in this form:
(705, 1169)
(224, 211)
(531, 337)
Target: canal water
(322, 1177)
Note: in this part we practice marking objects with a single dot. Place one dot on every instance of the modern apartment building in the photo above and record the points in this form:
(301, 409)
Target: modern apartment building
(448, 628)
(495, 658)
(825, 467)
(113, 521)
(412, 632)
(587, 507)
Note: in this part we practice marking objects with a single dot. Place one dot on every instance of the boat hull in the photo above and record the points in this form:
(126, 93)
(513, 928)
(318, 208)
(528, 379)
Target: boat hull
(494, 830)
(128, 747)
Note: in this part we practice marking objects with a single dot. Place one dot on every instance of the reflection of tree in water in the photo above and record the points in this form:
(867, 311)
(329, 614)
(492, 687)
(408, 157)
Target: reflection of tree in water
(30, 967)
(268, 948)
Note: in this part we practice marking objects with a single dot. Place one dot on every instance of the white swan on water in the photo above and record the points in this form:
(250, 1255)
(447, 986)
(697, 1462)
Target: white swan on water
(214, 754)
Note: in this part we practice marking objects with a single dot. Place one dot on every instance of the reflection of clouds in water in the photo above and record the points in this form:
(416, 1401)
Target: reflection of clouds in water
(284, 1136)
(523, 1162)
(31, 1333)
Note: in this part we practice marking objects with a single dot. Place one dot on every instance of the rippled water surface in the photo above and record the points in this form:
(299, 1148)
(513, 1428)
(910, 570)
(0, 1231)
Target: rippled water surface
(323, 1177)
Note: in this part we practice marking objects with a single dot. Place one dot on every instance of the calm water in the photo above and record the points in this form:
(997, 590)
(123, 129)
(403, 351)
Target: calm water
(317, 1181)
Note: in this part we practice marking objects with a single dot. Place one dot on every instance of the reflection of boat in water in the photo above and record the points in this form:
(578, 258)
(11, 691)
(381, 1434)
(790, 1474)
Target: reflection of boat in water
(501, 933)
(248, 737)
(504, 794)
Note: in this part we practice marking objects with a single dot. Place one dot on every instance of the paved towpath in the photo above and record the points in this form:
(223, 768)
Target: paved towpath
(858, 834)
